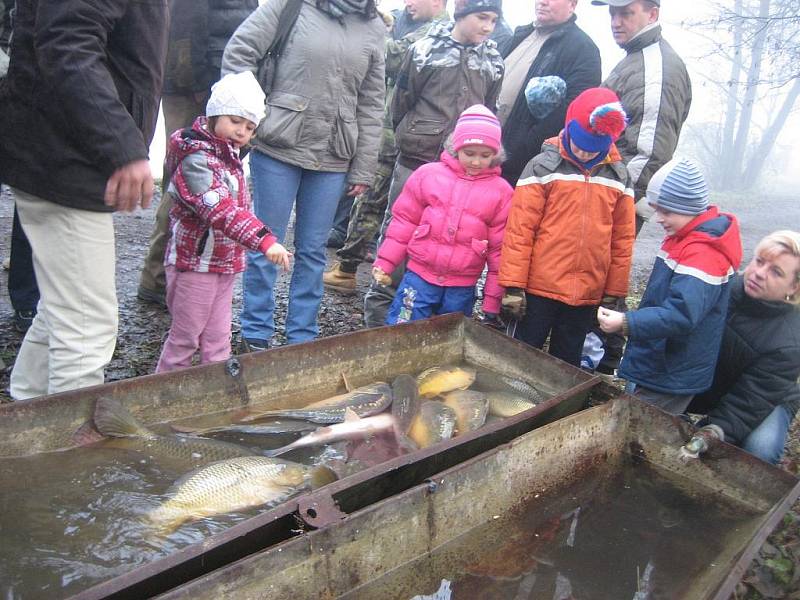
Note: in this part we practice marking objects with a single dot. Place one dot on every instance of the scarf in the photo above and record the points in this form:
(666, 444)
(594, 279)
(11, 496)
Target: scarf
(339, 8)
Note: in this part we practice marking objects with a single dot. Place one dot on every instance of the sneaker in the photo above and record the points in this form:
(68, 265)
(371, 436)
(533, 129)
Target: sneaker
(254, 345)
(339, 280)
(153, 297)
(23, 319)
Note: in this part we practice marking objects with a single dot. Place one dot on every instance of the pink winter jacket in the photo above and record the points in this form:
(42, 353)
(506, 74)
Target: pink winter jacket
(451, 225)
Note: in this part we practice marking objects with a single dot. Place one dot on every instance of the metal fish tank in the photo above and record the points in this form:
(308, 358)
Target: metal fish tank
(596, 505)
(72, 519)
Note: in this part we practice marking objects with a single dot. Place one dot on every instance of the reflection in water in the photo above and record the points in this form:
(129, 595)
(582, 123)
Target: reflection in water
(638, 534)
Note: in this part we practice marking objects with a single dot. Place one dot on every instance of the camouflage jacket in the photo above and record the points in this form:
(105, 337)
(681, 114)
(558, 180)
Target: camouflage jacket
(438, 80)
(395, 52)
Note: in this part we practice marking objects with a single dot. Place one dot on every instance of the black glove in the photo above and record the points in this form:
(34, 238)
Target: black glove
(513, 304)
(492, 320)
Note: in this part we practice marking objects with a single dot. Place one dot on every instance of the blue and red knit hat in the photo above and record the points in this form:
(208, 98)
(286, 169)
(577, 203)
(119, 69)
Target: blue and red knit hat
(595, 119)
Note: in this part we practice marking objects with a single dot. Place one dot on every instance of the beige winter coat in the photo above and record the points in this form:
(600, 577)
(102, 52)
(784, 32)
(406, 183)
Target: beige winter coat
(324, 112)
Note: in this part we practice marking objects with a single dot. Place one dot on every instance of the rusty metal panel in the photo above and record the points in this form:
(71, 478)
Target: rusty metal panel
(343, 558)
(291, 376)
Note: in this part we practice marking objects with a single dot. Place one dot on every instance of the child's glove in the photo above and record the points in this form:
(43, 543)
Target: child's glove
(379, 276)
(492, 320)
(513, 304)
(278, 255)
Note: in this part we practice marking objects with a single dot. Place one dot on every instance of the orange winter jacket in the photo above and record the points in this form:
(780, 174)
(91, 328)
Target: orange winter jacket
(570, 232)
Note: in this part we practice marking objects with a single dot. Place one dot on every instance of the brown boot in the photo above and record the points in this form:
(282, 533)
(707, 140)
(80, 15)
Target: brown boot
(339, 280)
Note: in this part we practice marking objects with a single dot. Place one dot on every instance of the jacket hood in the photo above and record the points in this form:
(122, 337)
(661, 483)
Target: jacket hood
(454, 165)
(554, 146)
(649, 37)
(197, 138)
(720, 230)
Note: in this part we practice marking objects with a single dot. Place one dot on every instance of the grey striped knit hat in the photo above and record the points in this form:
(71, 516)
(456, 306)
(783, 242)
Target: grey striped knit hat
(679, 187)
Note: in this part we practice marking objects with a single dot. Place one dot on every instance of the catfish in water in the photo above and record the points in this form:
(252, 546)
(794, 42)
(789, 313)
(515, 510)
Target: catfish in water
(405, 402)
(364, 401)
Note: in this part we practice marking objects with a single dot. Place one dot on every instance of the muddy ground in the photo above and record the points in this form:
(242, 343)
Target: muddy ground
(774, 574)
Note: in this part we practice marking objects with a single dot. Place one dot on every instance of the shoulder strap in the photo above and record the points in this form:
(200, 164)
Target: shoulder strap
(285, 23)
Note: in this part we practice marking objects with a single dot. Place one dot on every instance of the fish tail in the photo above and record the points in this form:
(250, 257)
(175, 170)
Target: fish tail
(113, 420)
(322, 475)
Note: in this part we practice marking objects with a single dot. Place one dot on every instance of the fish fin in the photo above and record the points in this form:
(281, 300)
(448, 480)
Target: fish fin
(112, 419)
(277, 451)
(350, 415)
(322, 475)
(346, 383)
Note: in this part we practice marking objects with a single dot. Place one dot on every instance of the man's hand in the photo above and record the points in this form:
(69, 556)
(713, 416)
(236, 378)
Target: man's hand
(610, 320)
(513, 304)
(129, 186)
(357, 189)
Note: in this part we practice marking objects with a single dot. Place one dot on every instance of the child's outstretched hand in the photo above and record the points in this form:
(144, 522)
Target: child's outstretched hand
(278, 255)
(610, 320)
(381, 277)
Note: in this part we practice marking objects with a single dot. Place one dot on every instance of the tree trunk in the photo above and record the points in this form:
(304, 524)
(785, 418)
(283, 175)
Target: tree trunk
(751, 87)
(756, 163)
(732, 105)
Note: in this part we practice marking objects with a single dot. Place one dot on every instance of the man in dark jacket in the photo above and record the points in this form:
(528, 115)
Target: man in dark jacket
(198, 33)
(77, 111)
(552, 45)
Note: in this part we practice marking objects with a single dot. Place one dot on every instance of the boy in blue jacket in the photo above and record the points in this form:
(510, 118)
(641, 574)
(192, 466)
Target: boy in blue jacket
(674, 336)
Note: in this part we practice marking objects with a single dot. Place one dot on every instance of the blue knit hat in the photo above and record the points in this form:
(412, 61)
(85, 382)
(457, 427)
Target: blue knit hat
(679, 187)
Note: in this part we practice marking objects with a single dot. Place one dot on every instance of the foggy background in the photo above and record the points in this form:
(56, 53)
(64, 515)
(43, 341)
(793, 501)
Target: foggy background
(679, 19)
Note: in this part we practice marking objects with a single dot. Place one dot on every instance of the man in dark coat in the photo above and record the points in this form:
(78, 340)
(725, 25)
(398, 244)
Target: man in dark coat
(77, 110)
(552, 45)
(198, 33)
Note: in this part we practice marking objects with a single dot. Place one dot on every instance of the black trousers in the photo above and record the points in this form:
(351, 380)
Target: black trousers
(566, 325)
(22, 288)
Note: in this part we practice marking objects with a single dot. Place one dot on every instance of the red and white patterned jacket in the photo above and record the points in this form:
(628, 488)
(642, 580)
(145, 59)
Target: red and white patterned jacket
(210, 219)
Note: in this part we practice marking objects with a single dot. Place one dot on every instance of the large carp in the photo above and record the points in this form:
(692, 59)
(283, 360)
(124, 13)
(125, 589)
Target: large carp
(438, 380)
(232, 485)
(433, 423)
(113, 420)
(470, 408)
(364, 401)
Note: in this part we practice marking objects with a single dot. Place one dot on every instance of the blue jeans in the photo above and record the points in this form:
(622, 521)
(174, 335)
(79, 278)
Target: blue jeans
(417, 299)
(767, 440)
(277, 186)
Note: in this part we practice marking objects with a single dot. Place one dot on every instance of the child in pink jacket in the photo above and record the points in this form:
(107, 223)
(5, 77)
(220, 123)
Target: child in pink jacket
(211, 223)
(449, 222)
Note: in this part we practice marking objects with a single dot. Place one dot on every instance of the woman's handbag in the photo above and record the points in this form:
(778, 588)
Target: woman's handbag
(269, 64)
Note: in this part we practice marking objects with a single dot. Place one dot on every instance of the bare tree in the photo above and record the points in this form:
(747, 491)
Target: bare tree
(760, 39)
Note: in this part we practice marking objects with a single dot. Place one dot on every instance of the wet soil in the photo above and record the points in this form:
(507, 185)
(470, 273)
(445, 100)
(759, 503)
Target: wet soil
(143, 327)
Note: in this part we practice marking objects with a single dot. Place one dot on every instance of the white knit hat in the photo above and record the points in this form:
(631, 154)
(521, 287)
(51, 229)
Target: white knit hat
(237, 94)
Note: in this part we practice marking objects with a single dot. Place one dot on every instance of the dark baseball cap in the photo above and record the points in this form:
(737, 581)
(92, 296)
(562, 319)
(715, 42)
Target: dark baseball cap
(620, 2)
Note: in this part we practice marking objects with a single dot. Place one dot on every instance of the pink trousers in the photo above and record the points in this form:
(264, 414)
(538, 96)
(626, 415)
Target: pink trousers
(200, 305)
